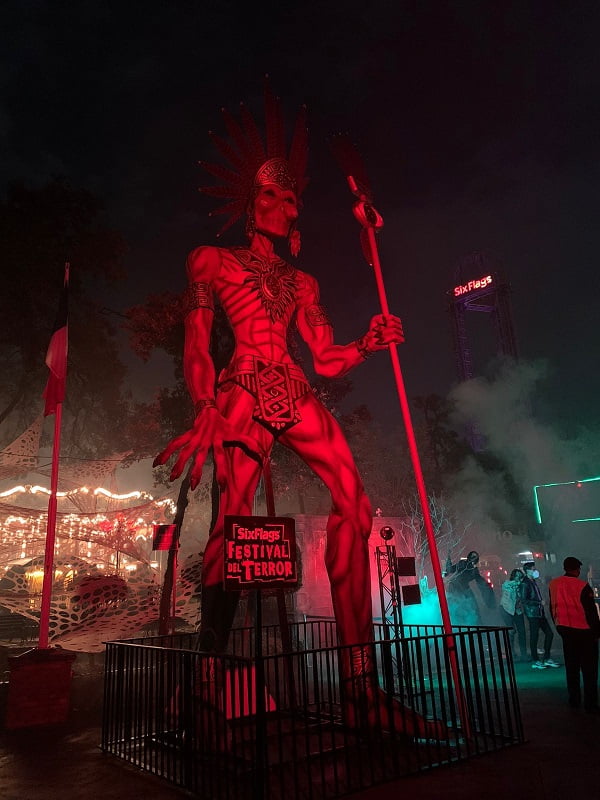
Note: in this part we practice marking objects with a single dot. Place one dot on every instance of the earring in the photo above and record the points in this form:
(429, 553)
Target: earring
(294, 241)
(250, 227)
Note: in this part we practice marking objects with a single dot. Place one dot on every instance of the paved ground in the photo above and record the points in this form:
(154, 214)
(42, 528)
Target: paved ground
(560, 759)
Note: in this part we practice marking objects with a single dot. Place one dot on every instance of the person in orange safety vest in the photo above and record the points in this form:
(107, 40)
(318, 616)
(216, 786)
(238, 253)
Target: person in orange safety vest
(575, 615)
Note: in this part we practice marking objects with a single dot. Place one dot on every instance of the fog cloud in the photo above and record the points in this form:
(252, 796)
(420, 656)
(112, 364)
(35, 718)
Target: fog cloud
(501, 408)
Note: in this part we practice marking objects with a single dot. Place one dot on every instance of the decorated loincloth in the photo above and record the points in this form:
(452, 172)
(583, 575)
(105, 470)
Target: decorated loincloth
(274, 386)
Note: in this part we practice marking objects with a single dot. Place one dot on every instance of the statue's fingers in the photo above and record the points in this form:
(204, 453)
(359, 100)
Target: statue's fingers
(163, 456)
(184, 456)
(160, 459)
(392, 333)
(391, 322)
(218, 451)
(166, 454)
(219, 460)
(198, 467)
(386, 341)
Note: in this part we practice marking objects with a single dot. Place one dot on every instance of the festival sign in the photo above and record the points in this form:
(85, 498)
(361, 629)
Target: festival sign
(260, 552)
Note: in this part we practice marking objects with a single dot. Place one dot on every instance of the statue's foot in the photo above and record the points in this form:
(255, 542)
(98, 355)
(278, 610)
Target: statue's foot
(375, 709)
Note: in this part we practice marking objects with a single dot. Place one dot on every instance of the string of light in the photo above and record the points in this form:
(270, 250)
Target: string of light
(35, 489)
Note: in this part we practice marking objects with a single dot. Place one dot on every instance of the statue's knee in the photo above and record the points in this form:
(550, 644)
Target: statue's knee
(352, 503)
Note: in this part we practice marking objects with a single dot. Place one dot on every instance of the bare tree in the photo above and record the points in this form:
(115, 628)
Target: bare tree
(412, 537)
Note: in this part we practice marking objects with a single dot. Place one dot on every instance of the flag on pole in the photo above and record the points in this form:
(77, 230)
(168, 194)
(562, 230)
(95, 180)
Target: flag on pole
(56, 357)
(164, 537)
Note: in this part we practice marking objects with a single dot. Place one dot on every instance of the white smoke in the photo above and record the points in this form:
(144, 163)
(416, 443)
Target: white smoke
(502, 410)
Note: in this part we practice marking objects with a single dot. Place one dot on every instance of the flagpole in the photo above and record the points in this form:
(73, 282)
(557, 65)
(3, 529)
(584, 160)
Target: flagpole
(40, 679)
(56, 361)
(50, 534)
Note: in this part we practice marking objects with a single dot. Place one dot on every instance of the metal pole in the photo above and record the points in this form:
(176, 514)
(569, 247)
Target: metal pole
(284, 627)
(174, 589)
(50, 535)
(259, 688)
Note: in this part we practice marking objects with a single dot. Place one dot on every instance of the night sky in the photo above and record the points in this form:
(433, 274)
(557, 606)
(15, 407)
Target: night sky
(478, 122)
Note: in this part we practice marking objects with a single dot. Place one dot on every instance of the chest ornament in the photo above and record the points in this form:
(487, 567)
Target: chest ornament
(273, 280)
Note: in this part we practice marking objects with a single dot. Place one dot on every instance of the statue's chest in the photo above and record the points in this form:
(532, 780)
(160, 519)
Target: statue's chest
(268, 286)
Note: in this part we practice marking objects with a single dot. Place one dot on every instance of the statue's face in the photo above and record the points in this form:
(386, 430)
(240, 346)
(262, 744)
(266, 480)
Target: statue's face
(275, 210)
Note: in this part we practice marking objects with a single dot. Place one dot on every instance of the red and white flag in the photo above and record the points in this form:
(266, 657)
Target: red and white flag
(164, 537)
(56, 357)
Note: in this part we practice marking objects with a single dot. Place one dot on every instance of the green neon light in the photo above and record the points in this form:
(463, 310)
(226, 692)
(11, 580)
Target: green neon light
(536, 504)
(589, 519)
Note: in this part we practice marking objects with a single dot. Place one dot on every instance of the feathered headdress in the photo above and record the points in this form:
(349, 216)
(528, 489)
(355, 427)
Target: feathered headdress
(252, 162)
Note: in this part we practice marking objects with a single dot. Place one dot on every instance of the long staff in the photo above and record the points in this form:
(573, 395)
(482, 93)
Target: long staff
(370, 221)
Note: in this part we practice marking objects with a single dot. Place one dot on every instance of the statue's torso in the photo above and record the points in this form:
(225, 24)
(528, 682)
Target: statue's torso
(260, 298)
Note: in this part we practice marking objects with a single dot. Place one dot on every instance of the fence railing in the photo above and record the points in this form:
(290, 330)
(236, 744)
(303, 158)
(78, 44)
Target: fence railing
(294, 724)
(17, 628)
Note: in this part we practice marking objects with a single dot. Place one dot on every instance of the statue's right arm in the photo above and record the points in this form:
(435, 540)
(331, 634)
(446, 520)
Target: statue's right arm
(203, 265)
(334, 360)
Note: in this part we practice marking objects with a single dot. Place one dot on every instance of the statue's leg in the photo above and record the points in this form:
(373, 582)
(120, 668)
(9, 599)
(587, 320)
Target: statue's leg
(319, 441)
(238, 474)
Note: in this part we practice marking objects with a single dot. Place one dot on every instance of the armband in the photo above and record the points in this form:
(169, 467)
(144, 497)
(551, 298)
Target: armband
(316, 315)
(197, 295)
(361, 346)
(200, 405)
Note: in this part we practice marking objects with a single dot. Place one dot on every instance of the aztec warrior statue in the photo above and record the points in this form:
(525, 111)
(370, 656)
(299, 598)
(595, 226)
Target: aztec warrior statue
(263, 395)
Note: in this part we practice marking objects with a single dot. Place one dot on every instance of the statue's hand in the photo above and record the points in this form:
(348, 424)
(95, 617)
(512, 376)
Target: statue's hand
(384, 329)
(210, 429)
(193, 444)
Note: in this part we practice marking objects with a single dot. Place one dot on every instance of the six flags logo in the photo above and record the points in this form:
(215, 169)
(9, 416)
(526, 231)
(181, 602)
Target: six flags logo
(480, 283)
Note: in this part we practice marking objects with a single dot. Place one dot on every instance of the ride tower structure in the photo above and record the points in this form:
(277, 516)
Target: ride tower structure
(480, 288)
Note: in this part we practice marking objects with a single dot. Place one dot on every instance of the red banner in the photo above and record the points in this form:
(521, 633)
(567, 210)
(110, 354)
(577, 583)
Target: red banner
(164, 537)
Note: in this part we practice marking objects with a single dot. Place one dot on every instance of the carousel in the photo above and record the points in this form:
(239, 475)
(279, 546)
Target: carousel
(107, 578)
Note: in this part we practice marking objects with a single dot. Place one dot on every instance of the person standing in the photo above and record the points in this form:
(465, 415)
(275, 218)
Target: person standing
(575, 615)
(533, 607)
(511, 611)
(463, 603)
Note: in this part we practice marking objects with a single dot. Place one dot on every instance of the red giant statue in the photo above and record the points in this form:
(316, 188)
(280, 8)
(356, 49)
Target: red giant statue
(263, 395)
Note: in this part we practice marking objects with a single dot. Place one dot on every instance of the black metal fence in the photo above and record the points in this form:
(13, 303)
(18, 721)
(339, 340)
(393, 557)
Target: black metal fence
(17, 628)
(292, 725)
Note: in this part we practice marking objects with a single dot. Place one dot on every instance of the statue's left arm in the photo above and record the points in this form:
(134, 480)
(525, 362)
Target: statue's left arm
(334, 360)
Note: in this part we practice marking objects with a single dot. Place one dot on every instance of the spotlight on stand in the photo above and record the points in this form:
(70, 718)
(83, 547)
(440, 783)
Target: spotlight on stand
(386, 533)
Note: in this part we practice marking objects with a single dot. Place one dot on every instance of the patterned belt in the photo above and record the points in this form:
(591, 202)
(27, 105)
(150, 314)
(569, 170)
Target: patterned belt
(274, 385)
